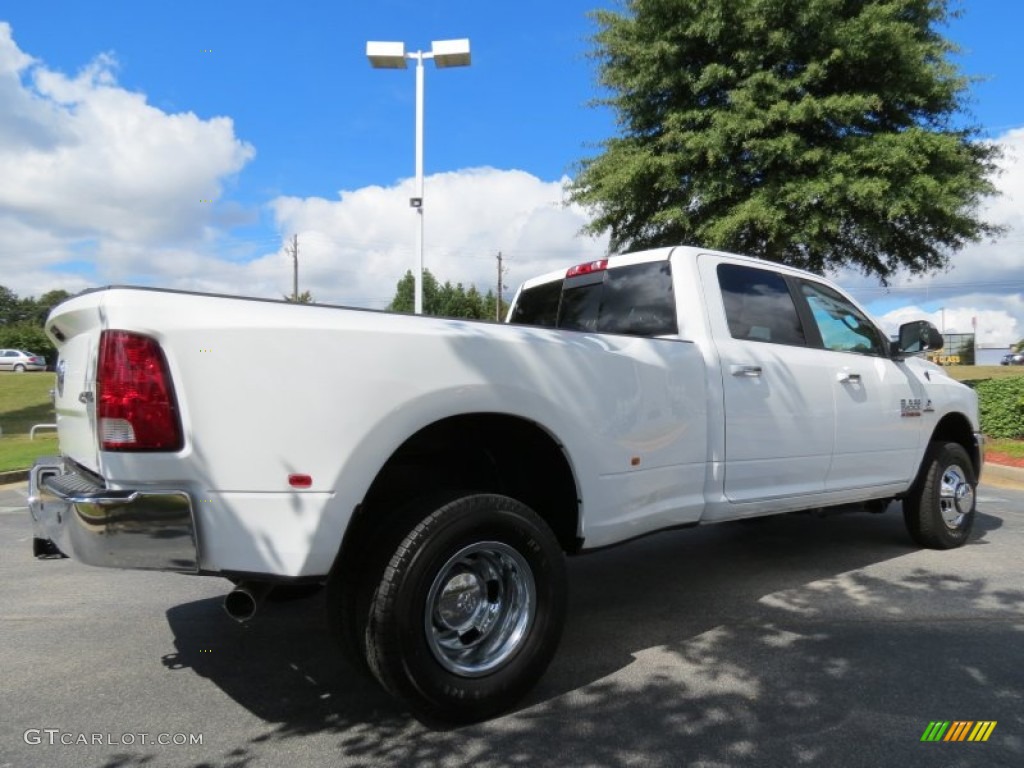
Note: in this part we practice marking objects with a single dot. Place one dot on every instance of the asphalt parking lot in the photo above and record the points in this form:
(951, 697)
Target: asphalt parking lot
(793, 641)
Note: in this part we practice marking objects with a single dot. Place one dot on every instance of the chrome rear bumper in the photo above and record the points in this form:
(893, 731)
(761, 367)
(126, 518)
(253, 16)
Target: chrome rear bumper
(147, 529)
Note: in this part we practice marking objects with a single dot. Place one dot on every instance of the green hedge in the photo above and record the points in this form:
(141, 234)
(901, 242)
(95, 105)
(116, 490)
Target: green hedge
(29, 337)
(1001, 402)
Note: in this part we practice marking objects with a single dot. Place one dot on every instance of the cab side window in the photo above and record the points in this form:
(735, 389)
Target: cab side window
(759, 306)
(843, 327)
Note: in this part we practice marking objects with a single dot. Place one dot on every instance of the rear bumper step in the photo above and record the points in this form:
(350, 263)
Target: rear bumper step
(146, 529)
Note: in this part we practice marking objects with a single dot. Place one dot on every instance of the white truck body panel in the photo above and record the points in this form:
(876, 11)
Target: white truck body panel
(658, 432)
(251, 423)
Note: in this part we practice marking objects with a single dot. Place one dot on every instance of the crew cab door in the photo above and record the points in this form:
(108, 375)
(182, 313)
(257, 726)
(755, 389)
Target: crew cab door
(879, 403)
(777, 393)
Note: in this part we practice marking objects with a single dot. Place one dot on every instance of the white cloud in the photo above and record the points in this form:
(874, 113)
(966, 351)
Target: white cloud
(354, 249)
(991, 326)
(93, 173)
(84, 160)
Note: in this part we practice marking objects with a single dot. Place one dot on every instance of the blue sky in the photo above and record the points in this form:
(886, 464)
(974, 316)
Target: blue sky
(136, 93)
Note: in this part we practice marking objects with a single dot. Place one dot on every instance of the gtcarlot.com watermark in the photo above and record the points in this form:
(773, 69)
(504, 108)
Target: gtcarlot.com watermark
(57, 737)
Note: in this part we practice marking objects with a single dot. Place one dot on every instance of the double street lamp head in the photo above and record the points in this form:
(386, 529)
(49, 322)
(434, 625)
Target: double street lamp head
(445, 53)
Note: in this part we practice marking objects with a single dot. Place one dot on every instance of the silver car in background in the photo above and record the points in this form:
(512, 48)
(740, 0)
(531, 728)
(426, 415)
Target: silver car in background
(19, 360)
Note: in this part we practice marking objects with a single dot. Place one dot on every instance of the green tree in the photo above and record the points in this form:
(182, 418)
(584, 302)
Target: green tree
(405, 294)
(439, 300)
(28, 336)
(16, 310)
(817, 133)
(303, 298)
(12, 308)
(491, 311)
(45, 303)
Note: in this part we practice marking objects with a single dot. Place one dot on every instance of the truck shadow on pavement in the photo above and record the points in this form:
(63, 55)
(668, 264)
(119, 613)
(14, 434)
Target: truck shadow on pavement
(792, 640)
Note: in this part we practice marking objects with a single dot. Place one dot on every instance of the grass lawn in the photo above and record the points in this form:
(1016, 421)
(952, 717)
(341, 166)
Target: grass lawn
(24, 402)
(19, 452)
(1005, 445)
(982, 372)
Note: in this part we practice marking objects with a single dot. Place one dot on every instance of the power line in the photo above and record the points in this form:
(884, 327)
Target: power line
(926, 288)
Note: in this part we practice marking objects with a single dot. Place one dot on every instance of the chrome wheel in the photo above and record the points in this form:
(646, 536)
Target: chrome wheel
(467, 609)
(956, 496)
(939, 510)
(479, 608)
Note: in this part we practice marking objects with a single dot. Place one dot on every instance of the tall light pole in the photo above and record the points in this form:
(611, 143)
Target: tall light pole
(389, 55)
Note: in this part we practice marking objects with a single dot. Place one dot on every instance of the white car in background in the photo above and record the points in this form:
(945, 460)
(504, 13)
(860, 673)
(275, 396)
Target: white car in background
(20, 361)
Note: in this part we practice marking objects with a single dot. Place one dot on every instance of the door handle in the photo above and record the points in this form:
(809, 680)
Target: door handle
(745, 370)
(845, 377)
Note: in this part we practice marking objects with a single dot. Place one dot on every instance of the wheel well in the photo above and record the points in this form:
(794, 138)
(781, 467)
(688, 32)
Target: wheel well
(484, 453)
(955, 428)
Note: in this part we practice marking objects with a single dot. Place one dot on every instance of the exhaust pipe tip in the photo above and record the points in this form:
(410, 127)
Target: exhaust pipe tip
(242, 602)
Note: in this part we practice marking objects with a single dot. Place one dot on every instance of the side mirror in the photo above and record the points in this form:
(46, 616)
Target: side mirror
(918, 337)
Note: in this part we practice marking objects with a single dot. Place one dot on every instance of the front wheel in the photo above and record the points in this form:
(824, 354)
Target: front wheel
(940, 510)
(469, 611)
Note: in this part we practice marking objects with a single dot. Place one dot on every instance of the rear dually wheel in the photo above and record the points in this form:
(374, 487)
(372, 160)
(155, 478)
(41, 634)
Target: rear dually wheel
(469, 610)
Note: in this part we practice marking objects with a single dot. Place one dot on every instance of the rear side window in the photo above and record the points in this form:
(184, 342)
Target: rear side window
(637, 300)
(538, 305)
(759, 306)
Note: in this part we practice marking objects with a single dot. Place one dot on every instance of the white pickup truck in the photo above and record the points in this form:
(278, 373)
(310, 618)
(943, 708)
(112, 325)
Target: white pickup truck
(434, 473)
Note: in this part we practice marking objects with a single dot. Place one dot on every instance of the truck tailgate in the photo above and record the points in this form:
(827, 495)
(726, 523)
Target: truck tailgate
(75, 328)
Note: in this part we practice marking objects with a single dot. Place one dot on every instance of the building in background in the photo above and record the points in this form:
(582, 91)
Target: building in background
(958, 350)
(991, 354)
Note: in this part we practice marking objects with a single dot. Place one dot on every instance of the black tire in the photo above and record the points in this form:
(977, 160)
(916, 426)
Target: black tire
(469, 611)
(350, 590)
(940, 510)
(354, 578)
(19, 368)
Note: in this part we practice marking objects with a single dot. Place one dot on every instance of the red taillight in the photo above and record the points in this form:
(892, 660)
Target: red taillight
(136, 409)
(586, 269)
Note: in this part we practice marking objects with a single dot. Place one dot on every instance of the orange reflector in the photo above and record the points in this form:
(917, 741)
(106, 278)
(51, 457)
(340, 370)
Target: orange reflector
(300, 481)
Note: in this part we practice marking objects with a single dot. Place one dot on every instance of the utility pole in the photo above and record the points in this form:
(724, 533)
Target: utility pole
(295, 270)
(501, 272)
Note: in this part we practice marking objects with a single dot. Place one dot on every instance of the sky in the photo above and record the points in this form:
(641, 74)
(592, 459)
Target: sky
(181, 145)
